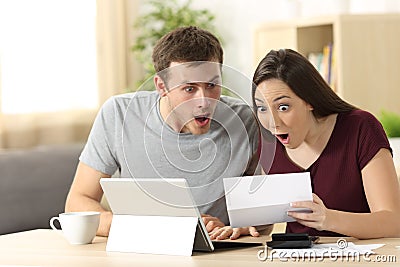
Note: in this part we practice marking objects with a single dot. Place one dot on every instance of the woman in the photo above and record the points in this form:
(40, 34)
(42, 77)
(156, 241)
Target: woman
(345, 149)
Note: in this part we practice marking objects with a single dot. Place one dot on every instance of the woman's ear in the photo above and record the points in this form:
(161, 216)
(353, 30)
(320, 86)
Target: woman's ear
(160, 86)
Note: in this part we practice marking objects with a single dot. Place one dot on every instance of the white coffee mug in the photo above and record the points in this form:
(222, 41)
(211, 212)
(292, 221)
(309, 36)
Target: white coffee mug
(78, 227)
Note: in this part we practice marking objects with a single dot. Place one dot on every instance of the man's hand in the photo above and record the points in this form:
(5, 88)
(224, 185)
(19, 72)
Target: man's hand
(233, 233)
(211, 223)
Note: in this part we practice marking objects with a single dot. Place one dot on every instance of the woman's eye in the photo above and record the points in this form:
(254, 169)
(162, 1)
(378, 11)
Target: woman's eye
(283, 107)
(261, 109)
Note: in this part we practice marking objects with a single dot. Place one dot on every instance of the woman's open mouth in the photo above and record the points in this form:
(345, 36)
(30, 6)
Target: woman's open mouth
(283, 138)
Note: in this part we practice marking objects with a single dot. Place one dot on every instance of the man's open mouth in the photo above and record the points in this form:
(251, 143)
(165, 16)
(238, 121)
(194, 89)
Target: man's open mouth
(202, 120)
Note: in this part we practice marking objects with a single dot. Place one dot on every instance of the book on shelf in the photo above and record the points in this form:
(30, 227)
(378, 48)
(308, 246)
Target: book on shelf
(325, 63)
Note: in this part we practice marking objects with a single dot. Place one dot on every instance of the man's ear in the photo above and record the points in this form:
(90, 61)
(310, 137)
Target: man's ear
(160, 86)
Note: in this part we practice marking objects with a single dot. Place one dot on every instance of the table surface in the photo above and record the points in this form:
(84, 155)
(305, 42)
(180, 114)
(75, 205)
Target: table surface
(44, 247)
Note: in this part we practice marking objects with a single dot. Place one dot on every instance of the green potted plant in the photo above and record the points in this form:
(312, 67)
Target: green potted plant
(163, 17)
(391, 124)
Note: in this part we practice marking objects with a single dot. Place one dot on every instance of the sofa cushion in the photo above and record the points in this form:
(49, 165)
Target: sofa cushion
(34, 184)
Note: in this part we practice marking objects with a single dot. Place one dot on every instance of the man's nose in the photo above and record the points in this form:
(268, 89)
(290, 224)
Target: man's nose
(202, 100)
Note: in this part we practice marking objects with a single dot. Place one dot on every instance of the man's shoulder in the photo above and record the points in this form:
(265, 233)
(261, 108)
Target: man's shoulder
(135, 95)
(235, 103)
(235, 111)
(239, 106)
(122, 101)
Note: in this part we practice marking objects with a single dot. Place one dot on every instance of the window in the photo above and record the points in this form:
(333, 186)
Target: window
(47, 55)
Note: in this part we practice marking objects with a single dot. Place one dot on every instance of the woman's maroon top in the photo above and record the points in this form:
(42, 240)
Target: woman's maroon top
(336, 174)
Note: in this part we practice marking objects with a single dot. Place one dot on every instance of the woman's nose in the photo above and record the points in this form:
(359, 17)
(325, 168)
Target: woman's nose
(274, 123)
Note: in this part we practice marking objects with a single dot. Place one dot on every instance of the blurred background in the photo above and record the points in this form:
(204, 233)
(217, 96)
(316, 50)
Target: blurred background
(61, 59)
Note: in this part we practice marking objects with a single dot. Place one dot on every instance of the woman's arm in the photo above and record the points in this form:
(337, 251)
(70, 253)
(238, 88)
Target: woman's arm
(382, 190)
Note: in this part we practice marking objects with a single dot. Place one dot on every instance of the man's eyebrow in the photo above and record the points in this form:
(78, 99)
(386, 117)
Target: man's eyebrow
(216, 77)
(257, 99)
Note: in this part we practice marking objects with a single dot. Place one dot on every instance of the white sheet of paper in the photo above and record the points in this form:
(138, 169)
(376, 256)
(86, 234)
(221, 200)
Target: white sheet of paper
(265, 199)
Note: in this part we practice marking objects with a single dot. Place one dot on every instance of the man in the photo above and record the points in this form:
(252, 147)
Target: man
(184, 129)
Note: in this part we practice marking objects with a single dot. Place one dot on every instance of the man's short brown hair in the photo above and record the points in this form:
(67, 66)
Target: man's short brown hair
(186, 44)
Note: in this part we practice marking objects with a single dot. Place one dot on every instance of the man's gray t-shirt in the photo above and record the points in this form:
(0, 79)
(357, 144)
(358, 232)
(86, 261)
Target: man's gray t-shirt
(130, 135)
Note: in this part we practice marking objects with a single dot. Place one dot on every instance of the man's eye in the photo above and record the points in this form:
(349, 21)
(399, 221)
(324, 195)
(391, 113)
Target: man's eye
(211, 85)
(261, 109)
(189, 89)
(283, 107)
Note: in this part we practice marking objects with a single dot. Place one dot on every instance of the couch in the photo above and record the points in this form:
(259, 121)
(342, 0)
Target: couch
(34, 184)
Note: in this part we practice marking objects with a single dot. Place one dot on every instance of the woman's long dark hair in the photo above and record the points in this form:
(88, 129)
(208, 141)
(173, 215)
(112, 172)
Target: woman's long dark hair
(303, 79)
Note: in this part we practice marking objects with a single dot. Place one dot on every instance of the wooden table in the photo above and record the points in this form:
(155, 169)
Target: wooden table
(49, 248)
